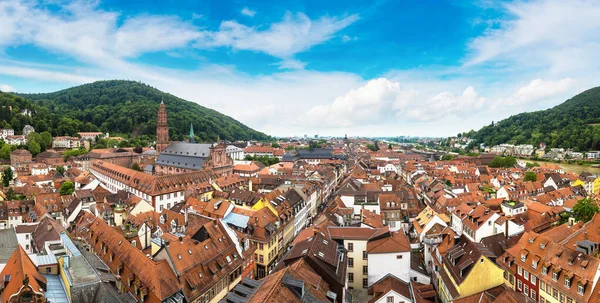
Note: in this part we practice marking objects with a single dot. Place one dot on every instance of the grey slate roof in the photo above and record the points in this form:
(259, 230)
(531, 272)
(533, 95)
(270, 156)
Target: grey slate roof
(184, 155)
(8, 244)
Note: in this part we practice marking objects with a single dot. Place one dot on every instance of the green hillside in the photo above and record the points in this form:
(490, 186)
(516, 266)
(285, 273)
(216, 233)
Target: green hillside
(123, 107)
(572, 124)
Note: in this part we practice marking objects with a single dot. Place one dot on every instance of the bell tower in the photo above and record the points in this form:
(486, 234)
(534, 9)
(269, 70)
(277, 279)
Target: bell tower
(162, 129)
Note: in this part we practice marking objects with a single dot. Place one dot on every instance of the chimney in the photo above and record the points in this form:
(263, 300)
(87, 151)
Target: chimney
(180, 239)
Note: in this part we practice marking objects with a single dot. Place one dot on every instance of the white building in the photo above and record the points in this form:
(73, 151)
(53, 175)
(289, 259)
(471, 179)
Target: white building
(28, 129)
(5, 132)
(389, 254)
(235, 152)
(15, 140)
(24, 233)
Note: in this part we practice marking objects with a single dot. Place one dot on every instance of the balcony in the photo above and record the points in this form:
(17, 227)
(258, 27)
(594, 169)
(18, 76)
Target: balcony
(432, 240)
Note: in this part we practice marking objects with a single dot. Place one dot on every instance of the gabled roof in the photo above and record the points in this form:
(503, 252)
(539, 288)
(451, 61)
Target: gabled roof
(459, 259)
(158, 277)
(387, 284)
(394, 243)
(20, 268)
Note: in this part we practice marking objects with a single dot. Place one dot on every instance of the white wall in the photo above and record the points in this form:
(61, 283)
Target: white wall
(25, 240)
(429, 225)
(397, 264)
(398, 298)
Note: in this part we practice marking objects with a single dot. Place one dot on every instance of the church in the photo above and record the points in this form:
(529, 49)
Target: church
(178, 157)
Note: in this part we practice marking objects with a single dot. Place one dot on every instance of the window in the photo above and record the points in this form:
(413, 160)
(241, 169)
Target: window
(554, 276)
(526, 290)
(261, 259)
(580, 289)
(542, 300)
(562, 298)
(350, 262)
(512, 280)
(350, 246)
(520, 270)
(365, 283)
(542, 285)
(533, 294)
(398, 256)
(365, 270)
(545, 270)
(519, 285)
(261, 246)
(526, 275)
(533, 279)
(567, 282)
(390, 299)
(365, 256)
(350, 277)
(555, 293)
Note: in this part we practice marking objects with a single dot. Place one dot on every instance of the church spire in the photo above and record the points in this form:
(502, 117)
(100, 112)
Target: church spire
(192, 140)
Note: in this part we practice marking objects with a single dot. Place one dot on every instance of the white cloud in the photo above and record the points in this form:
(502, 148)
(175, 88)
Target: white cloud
(7, 88)
(559, 36)
(346, 38)
(46, 74)
(381, 101)
(294, 34)
(248, 12)
(539, 89)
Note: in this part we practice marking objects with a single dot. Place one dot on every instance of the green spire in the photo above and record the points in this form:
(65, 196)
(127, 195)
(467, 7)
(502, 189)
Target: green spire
(192, 133)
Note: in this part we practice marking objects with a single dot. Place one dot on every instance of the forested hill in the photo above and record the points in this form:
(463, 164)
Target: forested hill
(128, 107)
(572, 124)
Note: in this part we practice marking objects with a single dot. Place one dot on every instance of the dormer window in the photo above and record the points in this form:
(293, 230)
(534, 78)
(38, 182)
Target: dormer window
(544, 270)
(554, 276)
(580, 289)
(533, 264)
(567, 282)
(523, 258)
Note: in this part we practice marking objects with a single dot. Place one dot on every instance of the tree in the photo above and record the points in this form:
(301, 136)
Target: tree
(34, 148)
(5, 151)
(390, 146)
(275, 145)
(585, 209)
(67, 188)
(530, 176)
(266, 160)
(505, 162)
(447, 157)
(7, 176)
(45, 140)
(136, 166)
(60, 169)
(138, 149)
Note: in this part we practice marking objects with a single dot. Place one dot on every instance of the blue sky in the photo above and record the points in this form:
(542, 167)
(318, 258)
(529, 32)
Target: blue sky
(385, 68)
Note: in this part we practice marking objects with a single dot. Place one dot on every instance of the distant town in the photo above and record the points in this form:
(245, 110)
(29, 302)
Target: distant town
(295, 220)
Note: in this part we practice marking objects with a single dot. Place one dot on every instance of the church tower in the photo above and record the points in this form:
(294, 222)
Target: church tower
(162, 129)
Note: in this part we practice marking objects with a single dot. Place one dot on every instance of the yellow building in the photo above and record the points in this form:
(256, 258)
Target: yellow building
(467, 270)
(269, 233)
